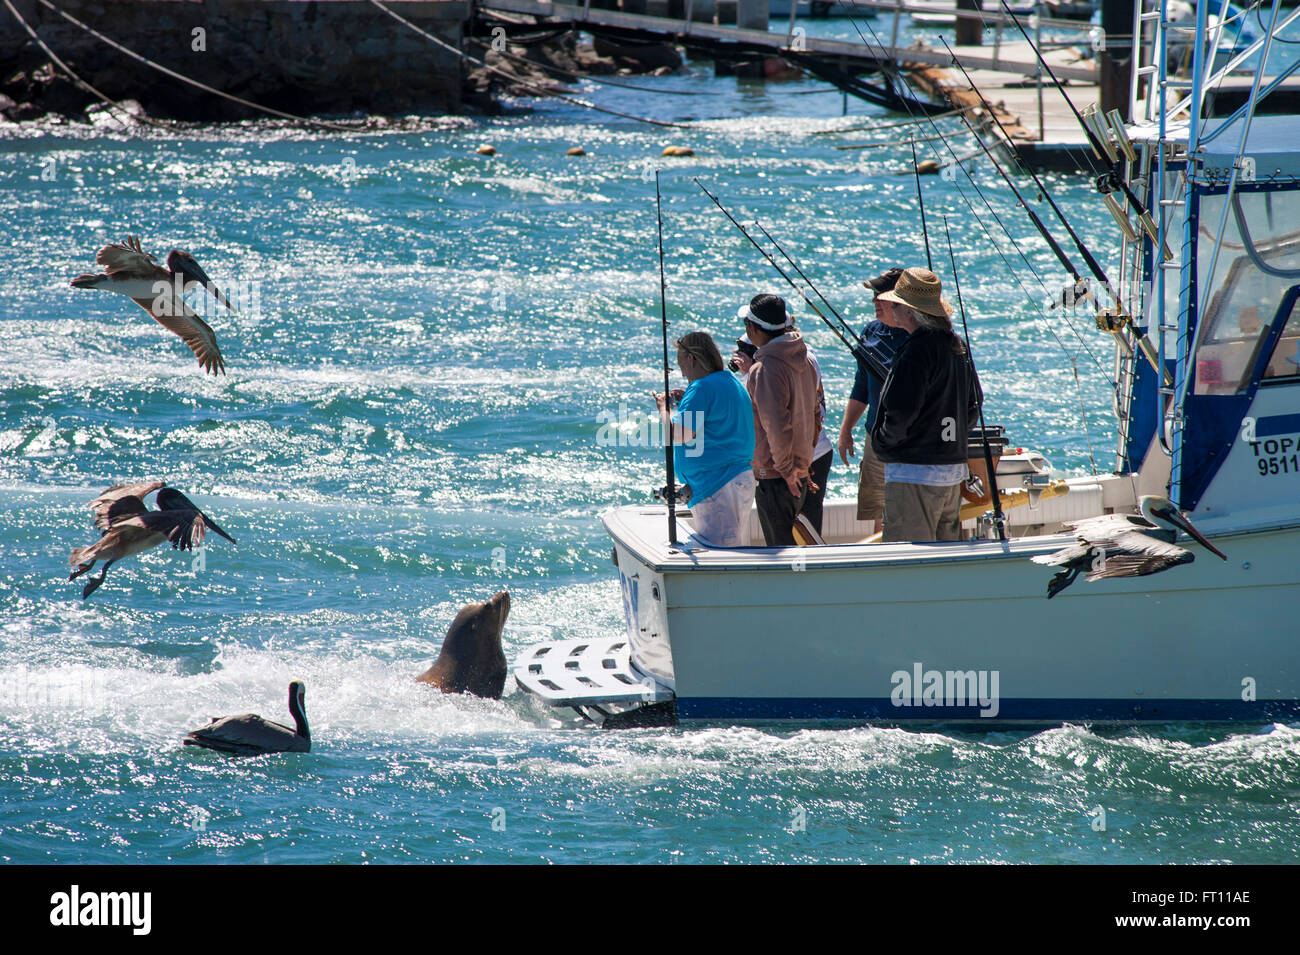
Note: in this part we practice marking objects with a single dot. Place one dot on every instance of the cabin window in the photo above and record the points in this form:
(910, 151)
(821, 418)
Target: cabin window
(1285, 360)
(1259, 262)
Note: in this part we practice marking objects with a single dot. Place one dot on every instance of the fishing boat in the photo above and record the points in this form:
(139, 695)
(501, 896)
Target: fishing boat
(1207, 360)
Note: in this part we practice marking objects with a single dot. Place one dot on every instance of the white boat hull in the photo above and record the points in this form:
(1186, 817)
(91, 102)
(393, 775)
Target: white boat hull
(962, 631)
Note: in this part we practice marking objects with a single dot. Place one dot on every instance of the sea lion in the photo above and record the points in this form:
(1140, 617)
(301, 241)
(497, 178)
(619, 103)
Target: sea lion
(472, 660)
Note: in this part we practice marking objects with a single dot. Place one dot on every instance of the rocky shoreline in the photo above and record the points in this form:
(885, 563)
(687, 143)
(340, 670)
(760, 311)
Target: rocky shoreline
(318, 73)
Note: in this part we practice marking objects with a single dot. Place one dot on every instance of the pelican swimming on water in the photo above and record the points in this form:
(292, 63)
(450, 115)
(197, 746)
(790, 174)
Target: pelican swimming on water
(132, 272)
(250, 735)
(1124, 545)
(130, 528)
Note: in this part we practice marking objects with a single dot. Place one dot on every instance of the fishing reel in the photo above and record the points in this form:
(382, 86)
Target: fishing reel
(681, 495)
(1072, 296)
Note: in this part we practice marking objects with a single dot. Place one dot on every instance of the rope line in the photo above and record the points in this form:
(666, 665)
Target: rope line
(185, 79)
(874, 126)
(72, 73)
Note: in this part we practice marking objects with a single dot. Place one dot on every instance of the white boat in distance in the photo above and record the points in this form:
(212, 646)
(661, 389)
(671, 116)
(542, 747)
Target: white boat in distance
(962, 631)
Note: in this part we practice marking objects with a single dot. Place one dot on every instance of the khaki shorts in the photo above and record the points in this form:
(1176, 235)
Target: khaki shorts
(919, 512)
(871, 486)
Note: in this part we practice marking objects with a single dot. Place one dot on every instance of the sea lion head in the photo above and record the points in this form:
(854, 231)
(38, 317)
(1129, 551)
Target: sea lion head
(471, 660)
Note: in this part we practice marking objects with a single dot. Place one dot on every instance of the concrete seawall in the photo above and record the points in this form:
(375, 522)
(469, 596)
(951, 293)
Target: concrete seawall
(299, 56)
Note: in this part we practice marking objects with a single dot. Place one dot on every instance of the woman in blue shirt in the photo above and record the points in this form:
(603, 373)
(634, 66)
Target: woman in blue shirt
(713, 443)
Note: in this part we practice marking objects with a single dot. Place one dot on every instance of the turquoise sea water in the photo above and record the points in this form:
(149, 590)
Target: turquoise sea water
(416, 385)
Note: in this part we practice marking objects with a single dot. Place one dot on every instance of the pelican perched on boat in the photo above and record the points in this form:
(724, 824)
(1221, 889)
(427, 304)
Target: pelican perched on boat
(1124, 545)
(133, 272)
(130, 528)
(250, 735)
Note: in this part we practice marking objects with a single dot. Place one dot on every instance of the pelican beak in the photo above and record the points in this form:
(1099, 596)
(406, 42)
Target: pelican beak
(212, 526)
(186, 265)
(1174, 517)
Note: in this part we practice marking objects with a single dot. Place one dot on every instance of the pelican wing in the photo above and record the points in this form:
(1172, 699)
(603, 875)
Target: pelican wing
(127, 259)
(1066, 555)
(102, 505)
(194, 331)
(247, 735)
(185, 529)
(1135, 554)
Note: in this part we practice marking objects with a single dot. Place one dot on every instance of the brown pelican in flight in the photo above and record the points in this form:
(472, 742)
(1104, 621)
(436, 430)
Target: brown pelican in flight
(130, 528)
(1124, 545)
(132, 272)
(250, 735)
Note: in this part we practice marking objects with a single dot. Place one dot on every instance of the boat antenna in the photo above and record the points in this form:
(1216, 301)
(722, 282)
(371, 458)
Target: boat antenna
(999, 519)
(916, 173)
(855, 346)
(670, 490)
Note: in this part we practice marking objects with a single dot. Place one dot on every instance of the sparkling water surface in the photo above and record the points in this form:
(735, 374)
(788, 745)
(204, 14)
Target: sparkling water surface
(429, 343)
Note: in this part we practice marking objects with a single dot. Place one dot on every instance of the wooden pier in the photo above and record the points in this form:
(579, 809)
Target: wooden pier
(1009, 58)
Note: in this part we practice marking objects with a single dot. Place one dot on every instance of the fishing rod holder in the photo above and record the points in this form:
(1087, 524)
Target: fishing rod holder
(672, 495)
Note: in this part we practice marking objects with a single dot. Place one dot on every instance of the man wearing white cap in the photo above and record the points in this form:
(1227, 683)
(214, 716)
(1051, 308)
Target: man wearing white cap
(783, 386)
(742, 360)
(926, 407)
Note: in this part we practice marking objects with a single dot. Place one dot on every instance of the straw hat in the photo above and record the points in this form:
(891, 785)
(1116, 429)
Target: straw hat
(920, 289)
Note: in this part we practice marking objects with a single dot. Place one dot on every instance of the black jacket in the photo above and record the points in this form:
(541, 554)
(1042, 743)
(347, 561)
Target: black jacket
(928, 403)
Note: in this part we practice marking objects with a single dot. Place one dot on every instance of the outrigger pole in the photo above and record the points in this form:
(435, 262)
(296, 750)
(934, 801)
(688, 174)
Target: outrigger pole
(999, 519)
(670, 490)
(855, 345)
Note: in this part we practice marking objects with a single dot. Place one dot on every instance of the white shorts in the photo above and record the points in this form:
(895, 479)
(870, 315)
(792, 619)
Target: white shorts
(722, 518)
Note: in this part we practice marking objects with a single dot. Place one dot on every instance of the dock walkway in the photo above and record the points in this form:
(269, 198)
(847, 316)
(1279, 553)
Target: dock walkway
(1010, 58)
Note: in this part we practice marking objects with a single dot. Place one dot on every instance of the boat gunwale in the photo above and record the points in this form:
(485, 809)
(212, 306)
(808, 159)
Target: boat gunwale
(679, 560)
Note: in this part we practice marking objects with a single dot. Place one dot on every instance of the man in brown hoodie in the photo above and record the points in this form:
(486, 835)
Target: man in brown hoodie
(783, 387)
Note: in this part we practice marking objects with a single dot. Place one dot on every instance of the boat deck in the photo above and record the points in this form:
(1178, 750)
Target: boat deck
(1033, 529)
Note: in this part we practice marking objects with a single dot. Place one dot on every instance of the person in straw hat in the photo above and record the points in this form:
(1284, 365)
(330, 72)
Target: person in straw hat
(926, 407)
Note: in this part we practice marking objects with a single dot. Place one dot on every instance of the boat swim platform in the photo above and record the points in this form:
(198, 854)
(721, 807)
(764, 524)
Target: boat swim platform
(706, 36)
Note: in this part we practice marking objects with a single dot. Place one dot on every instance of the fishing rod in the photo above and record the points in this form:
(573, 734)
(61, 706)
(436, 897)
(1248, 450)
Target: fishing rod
(993, 212)
(859, 352)
(916, 173)
(807, 281)
(878, 360)
(1111, 179)
(1029, 210)
(1092, 263)
(670, 490)
(1094, 266)
(999, 519)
